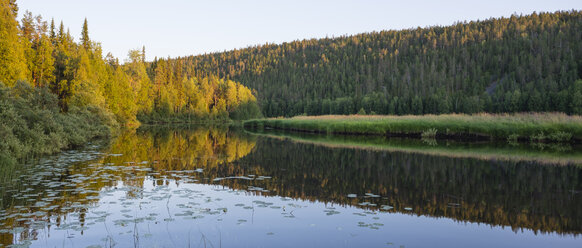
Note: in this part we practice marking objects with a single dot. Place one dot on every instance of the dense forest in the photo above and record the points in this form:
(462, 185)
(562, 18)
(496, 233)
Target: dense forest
(56, 93)
(515, 64)
(42, 55)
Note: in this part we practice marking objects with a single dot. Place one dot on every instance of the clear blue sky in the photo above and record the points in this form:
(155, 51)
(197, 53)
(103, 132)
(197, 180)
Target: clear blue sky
(186, 27)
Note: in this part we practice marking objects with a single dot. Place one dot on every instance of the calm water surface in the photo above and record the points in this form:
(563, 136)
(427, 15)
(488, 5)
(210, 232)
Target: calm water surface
(215, 187)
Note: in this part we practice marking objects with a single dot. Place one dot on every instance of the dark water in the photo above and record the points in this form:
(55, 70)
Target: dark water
(215, 187)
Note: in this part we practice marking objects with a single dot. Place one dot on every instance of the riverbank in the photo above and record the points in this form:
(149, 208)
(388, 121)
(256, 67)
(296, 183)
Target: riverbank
(523, 127)
(32, 125)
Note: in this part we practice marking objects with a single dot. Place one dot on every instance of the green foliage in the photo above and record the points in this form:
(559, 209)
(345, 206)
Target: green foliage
(82, 79)
(560, 136)
(178, 98)
(12, 60)
(429, 133)
(497, 65)
(560, 127)
(245, 111)
(512, 138)
(362, 111)
(576, 103)
(538, 137)
(85, 41)
(31, 123)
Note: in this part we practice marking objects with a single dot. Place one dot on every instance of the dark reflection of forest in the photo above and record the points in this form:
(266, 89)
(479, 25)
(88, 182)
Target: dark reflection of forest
(27, 205)
(544, 198)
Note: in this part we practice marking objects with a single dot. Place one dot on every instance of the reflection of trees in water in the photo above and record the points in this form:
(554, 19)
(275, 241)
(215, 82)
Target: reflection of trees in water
(21, 197)
(161, 151)
(180, 149)
(516, 194)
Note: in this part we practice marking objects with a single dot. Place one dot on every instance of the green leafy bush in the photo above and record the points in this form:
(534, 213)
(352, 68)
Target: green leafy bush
(32, 125)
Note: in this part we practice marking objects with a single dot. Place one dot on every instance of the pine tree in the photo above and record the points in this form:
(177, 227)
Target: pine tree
(143, 54)
(61, 35)
(576, 103)
(52, 34)
(86, 42)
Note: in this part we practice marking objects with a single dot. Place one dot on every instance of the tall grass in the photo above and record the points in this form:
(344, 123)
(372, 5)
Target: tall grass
(543, 127)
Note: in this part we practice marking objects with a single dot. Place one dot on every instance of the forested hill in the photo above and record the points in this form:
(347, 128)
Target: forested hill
(521, 63)
(36, 56)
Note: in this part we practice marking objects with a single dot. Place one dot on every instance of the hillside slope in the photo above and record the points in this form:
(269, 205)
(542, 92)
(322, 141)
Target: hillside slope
(521, 63)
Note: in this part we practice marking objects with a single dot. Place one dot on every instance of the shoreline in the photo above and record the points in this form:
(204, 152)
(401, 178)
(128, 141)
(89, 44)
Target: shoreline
(523, 128)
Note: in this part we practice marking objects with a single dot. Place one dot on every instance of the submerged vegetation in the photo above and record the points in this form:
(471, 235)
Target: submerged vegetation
(543, 127)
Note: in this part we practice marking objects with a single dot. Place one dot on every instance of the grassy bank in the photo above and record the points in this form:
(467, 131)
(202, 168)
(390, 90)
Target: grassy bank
(32, 125)
(535, 127)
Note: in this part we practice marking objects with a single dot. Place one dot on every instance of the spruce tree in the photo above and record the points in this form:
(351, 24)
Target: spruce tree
(53, 34)
(86, 42)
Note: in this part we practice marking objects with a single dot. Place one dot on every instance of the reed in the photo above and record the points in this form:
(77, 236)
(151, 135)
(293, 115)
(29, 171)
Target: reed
(532, 127)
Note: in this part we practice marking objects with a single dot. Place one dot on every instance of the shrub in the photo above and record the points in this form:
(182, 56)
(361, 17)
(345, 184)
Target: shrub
(540, 137)
(429, 133)
(31, 123)
(512, 138)
(560, 136)
(362, 111)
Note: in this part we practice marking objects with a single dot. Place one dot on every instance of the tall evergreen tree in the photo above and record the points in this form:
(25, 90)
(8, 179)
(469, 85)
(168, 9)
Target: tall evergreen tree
(85, 41)
(53, 34)
(143, 54)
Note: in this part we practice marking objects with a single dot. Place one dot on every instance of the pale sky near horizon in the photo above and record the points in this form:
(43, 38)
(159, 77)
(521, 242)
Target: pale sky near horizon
(181, 28)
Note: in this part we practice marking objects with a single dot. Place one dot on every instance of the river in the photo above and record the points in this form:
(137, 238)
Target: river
(227, 187)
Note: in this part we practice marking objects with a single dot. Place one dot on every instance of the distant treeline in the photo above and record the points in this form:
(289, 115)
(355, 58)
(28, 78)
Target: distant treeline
(43, 55)
(515, 64)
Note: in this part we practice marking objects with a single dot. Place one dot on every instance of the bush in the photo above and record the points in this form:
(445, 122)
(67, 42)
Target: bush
(560, 136)
(513, 138)
(32, 125)
(245, 111)
(362, 111)
(429, 133)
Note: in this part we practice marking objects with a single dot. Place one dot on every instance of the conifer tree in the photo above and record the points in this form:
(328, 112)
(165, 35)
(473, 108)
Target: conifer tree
(53, 35)
(86, 42)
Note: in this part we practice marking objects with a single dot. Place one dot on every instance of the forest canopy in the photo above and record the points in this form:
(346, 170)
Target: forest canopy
(515, 64)
(530, 63)
(44, 55)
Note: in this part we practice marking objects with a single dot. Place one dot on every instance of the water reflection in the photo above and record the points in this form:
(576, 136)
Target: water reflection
(155, 176)
(520, 194)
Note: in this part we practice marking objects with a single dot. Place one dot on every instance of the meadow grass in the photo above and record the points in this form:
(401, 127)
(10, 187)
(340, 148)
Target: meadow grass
(534, 127)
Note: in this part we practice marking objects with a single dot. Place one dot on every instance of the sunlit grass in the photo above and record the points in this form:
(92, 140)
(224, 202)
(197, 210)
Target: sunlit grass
(525, 126)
